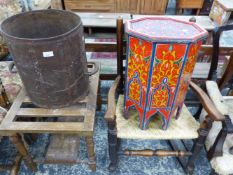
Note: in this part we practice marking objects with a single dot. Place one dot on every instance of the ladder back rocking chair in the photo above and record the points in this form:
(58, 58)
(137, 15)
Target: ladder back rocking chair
(219, 142)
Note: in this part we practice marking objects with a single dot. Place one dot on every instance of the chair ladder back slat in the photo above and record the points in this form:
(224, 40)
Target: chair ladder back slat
(228, 73)
(120, 28)
(215, 55)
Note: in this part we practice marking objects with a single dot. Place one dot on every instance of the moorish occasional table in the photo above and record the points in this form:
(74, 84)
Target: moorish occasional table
(161, 55)
(77, 120)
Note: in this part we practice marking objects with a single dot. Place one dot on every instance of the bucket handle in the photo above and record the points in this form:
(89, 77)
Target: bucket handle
(96, 68)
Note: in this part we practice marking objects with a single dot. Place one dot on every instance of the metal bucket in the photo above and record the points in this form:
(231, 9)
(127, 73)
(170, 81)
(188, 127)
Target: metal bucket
(49, 52)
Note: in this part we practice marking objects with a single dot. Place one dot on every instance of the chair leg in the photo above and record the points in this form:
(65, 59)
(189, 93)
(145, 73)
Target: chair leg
(180, 11)
(198, 12)
(112, 145)
(213, 172)
(198, 113)
(17, 141)
(231, 150)
(216, 149)
(91, 153)
(99, 98)
(175, 147)
(16, 165)
(198, 145)
(178, 111)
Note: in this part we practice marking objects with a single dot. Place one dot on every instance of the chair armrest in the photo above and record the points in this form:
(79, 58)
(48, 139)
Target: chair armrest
(216, 96)
(110, 114)
(208, 105)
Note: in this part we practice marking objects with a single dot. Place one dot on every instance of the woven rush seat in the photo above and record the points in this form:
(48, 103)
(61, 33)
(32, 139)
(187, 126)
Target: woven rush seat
(185, 127)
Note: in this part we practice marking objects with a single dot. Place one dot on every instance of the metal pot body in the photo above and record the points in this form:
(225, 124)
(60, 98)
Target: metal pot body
(48, 49)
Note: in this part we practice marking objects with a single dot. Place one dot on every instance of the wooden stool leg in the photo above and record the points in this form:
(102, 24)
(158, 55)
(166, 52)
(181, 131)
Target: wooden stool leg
(99, 99)
(198, 12)
(179, 11)
(91, 153)
(112, 145)
(17, 141)
(16, 165)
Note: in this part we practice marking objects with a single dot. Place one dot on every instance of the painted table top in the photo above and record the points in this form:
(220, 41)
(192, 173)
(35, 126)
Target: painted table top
(163, 28)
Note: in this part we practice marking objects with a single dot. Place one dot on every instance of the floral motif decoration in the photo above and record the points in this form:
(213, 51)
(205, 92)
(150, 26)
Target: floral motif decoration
(135, 89)
(187, 72)
(139, 58)
(159, 88)
(161, 96)
(167, 64)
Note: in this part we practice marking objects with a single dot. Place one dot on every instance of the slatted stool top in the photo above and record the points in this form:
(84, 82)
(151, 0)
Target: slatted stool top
(18, 118)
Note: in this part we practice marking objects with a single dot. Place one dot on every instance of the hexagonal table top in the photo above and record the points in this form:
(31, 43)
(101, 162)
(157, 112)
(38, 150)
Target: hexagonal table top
(162, 28)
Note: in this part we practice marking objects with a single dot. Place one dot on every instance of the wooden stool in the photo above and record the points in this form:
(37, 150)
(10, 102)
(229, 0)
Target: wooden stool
(74, 121)
(221, 11)
(187, 4)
